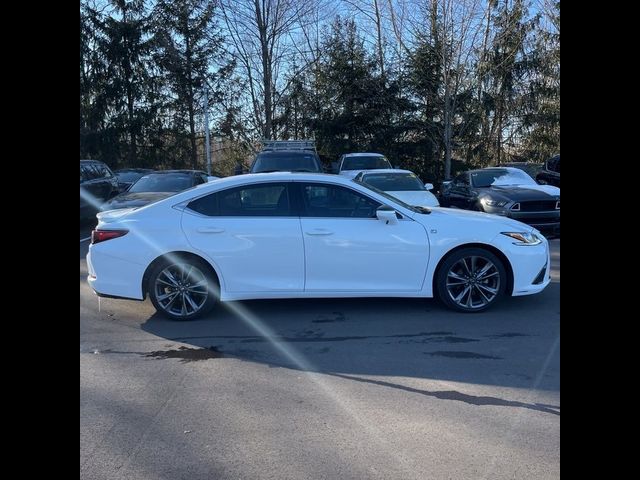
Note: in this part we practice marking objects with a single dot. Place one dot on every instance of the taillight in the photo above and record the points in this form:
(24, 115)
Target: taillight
(98, 236)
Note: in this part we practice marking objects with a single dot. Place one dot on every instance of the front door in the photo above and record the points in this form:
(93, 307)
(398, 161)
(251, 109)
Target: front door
(348, 249)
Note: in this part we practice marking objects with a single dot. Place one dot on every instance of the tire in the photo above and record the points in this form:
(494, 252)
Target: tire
(458, 288)
(183, 288)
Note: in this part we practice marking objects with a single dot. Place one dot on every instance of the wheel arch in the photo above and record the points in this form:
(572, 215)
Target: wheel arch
(498, 253)
(183, 255)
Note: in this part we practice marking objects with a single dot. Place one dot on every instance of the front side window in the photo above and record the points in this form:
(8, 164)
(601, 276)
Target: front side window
(324, 200)
(266, 200)
(462, 179)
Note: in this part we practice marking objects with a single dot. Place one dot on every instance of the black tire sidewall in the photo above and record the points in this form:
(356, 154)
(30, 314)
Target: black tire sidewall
(212, 285)
(450, 260)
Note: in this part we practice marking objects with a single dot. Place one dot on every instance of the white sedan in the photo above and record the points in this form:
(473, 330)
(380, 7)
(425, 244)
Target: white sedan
(402, 184)
(302, 235)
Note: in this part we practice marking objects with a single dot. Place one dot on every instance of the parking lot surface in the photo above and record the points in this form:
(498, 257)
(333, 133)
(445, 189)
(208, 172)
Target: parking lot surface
(320, 389)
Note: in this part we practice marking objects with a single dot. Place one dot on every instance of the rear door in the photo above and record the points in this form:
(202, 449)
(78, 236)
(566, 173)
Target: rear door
(252, 233)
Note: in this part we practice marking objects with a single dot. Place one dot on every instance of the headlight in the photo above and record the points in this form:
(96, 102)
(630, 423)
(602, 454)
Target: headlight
(524, 238)
(494, 203)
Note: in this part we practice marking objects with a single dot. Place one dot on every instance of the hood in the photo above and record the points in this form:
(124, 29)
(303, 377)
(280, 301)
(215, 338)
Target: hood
(481, 219)
(519, 193)
(137, 199)
(421, 198)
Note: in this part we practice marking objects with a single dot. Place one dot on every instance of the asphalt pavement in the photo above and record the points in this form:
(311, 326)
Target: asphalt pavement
(321, 389)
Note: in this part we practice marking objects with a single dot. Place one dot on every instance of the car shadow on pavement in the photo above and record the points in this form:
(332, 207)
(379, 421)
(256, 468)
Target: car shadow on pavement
(515, 344)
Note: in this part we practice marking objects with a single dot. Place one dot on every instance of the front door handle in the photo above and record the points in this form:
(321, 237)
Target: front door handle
(319, 231)
(210, 230)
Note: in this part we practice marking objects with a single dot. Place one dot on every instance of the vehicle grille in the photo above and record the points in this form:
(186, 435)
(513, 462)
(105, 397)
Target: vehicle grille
(538, 206)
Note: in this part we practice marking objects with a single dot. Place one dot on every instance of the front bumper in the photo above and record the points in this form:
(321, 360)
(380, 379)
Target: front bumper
(531, 265)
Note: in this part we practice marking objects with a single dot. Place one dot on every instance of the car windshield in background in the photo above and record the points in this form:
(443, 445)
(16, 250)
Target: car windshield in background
(394, 182)
(530, 168)
(162, 183)
(126, 177)
(285, 161)
(390, 197)
(497, 177)
(362, 162)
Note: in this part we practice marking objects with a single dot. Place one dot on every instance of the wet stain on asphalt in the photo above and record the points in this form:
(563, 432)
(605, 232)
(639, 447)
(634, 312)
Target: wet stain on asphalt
(508, 335)
(462, 355)
(187, 354)
(307, 336)
(445, 339)
(334, 317)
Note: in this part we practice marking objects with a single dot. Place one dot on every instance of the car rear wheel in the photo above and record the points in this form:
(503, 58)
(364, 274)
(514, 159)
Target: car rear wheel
(183, 289)
(471, 280)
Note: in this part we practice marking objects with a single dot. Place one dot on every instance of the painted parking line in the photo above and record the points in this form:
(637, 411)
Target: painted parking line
(85, 239)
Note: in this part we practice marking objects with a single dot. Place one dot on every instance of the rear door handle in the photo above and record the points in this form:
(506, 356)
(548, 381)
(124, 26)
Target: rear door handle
(210, 230)
(319, 231)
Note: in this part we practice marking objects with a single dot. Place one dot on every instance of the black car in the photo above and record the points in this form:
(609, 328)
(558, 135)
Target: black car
(97, 184)
(287, 156)
(156, 186)
(128, 176)
(509, 192)
(550, 174)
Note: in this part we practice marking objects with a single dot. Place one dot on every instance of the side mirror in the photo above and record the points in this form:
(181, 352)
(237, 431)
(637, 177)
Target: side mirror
(334, 167)
(387, 215)
(428, 186)
(396, 167)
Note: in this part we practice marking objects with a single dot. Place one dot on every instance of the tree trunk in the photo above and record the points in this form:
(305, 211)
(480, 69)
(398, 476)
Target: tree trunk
(266, 71)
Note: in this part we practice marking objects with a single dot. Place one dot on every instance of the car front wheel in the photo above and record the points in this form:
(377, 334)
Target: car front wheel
(183, 289)
(471, 280)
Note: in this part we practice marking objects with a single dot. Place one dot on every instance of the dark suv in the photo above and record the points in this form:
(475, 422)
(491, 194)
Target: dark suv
(287, 156)
(97, 185)
(550, 174)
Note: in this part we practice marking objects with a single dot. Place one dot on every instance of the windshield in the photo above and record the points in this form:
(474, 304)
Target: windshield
(392, 198)
(498, 177)
(286, 161)
(394, 182)
(363, 162)
(129, 176)
(162, 183)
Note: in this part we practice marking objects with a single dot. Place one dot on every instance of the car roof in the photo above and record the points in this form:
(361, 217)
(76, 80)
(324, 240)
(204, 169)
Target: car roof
(186, 172)
(363, 154)
(278, 151)
(121, 170)
(384, 170)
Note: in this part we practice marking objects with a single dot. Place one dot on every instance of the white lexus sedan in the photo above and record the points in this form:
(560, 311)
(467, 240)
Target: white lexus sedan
(295, 235)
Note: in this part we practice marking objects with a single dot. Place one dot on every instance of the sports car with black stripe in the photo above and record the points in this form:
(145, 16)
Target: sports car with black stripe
(508, 192)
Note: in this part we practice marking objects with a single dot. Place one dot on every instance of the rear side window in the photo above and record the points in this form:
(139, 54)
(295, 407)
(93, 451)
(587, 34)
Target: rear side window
(268, 200)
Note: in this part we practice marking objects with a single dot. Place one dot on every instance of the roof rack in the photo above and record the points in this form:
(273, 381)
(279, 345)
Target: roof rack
(268, 145)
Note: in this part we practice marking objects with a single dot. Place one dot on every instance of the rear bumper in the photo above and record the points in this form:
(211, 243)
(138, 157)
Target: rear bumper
(118, 278)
